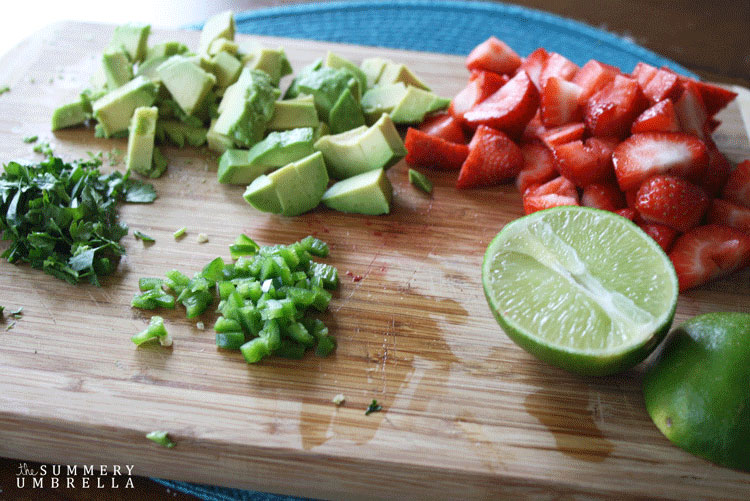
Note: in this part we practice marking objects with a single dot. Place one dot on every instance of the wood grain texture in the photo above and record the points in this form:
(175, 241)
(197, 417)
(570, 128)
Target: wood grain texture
(466, 413)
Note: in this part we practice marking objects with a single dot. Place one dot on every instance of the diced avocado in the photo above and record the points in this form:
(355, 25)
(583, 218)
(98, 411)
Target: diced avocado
(148, 67)
(220, 25)
(159, 164)
(117, 69)
(222, 44)
(141, 140)
(334, 61)
(346, 113)
(165, 49)
(272, 61)
(246, 110)
(131, 38)
(382, 99)
(298, 187)
(188, 83)
(218, 142)
(294, 113)
(293, 90)
(226, 67)
(98, 79)
(321, 130)
(179, 133)
(70, 114)
(362, 149)
(367, 193)
(115, 109)
(372, 67)
(420, 181)
(415, 104)
(326, 86)
(395, 72)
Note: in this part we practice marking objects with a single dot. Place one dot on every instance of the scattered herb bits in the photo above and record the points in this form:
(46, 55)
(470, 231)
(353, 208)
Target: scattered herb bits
(373, 407)
(179, 233)
(420, 181)
(161, 438)
(142, 236)
(155, 330)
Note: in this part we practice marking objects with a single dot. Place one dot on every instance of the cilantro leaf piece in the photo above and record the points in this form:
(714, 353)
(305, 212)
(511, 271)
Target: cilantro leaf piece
(138, 192)
(143, 236)
(373, 407)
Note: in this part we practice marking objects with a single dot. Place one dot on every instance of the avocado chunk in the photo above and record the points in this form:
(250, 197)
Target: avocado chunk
(114, 110)
(276, 150)
(335, 61)
(395, 72)
(117, 69)
(362, 149)
(294, 113)
(141, 141)
(186, 82)
(372, 67)
(148, 68)
(367, 193)
(272, 61)
(247, 107)
(179, 133)
(415, 104)
(165, 49)
(226, 68)
(382, 99)
(222, 44)
(326, 86)
(130, 38)
(70, 114)
(293, 90)
(346, 114)
(220, 25)
(216, 141)
(291, 190)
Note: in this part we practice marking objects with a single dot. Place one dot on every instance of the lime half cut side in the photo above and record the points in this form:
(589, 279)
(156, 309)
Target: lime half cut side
(580, 288)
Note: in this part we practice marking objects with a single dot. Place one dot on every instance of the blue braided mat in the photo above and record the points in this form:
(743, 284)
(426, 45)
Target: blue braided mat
(422, 25)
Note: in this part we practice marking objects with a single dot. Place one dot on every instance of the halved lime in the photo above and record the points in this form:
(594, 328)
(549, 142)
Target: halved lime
(580, 288)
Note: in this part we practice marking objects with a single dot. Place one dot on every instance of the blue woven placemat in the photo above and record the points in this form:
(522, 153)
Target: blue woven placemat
(448, 27)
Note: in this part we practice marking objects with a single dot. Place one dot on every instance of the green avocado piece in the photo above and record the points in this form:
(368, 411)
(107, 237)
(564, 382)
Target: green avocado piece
(346, 114)
(382, 99)
(187, 82)
(179, 133)
(148, 68)
(326, 86)
(216, 141)
(114, 110)
(222, 44)
(226, 68)
(272, 61)
(220, 25)
(131, 38)
(294, 113)
(70, 114)
(261, 194)
(165, 49)
(335, 61)
(117, 69)
(367, 193)
(415, 104)
(372, 67)
(141, 140)
(395, 72)
(293, 90)
(362, 149)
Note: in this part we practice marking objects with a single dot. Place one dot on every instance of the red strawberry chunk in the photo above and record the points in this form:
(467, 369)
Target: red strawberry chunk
(715, 98)
(509, 109)
(559, 102)
(717, 173)
(493, 55)
(662, 85)
(533, 65)
(563, 134)
(559, 66)
(627, 213)
(691, 111)
(493, 158)
(604, 196)
(661, 117)
(707, 252)
(538, 166)
(611, 111)
(584, 163)
(534, 129)
(559, 191)
(592, 77)
(444, 126)
(730, 214)
(425, 150)
(737, 189)
(643, 155)
(664, 235)
(671, 201)
(643, 72)
(477, 90)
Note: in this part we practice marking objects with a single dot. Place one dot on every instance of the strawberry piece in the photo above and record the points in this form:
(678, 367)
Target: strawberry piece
(715, 98)
(671, 201)
(584, 163)
(643, 155)
(611, 111)
(643, 73)
(691, 111)
(708, 252)
(712, 124)
(493, 55)
(444, 126)
(426, 150)
(559, 66)
(477, 90)
(538, 166)
(631, 196)
(730, 214)
(661, 117)
(664, 235)
(559, 191)
(604, 196)
(662, 85)
(533, 65)
(592, 77)
(509, 109)
(737, 189)
(534, 129)
(493, 158)
(627, 213)
(559, 102)
(717, 173)
(563, 134)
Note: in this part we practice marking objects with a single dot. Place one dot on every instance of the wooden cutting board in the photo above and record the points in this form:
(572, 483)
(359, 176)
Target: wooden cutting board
(466, 413)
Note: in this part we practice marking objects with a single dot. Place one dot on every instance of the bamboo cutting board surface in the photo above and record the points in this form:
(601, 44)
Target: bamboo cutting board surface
(466, 413)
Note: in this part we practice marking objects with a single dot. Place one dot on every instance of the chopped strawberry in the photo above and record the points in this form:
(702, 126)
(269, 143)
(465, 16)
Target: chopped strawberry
(717, 173)
(643, 72)
(509, 109)
(604, 196)
(643, 155)
(559, 66)
(611, 111)
(715, 98)
(593, 76)
(730, 214)
(533, 64)
(538, 166)
(559, 191)
(563, 134)
(584, 163)
(662, 85)
(664, 235)
(559, 102)
(737, 189)
(534, 129)
(707, 252)
(493, 55)
(661, 117)
(426, 150)
(477, 90)
(627, 213)
(631, 196)
(444, 126)
(712, 124)
(671, 201)
(493, 158)
(691, 111)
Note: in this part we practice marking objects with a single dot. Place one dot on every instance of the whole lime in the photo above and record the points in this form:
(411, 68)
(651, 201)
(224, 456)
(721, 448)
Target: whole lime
(698, 391)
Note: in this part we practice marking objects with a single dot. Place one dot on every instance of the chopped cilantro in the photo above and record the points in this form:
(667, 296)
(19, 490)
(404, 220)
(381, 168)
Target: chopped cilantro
(161, 438)
(11, 325)
(43, 148)
(2, 310)
(179, 233)
(114, 157)
(4, 89)
(30, 139)
(143, 236)
(373, 407)
(17, 313)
